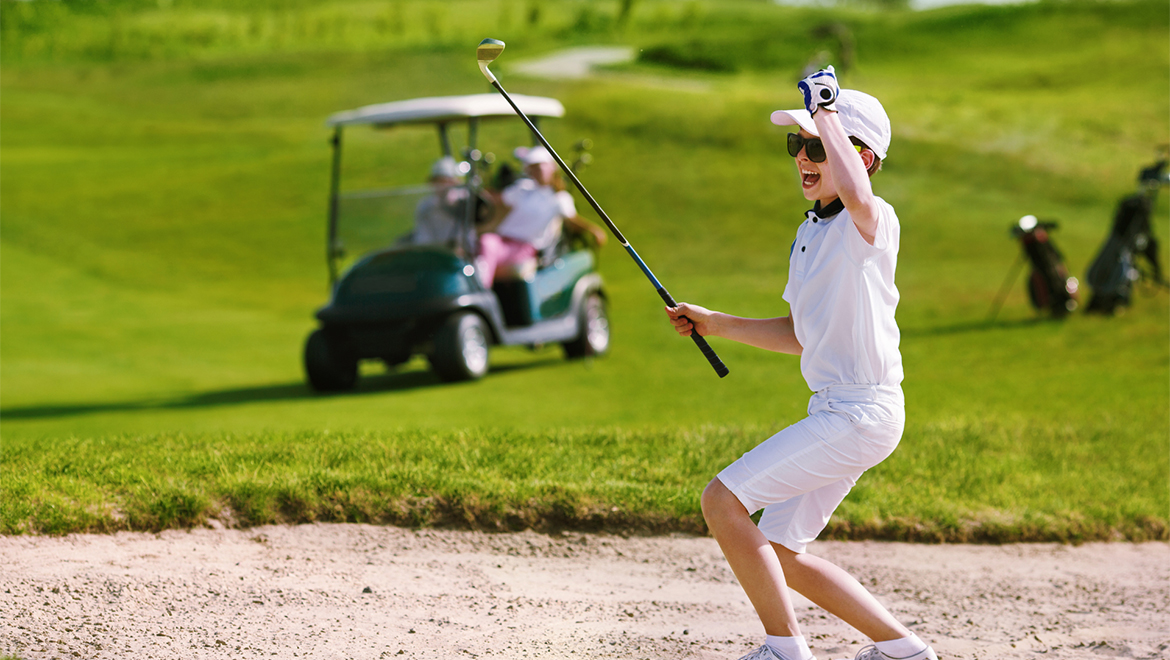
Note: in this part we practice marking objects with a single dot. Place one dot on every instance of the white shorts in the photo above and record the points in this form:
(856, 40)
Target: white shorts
(800, 475)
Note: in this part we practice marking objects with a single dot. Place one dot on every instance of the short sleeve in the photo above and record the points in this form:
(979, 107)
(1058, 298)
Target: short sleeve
(565, 204)
(791, 289)
(792, 286)
(884, 239)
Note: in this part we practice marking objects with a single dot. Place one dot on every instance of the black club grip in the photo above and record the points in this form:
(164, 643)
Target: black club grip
(708, 352)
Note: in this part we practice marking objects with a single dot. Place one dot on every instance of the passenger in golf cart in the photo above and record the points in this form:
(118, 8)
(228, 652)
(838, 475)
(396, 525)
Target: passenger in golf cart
(393, 299)
(528, 222)
(439, 219)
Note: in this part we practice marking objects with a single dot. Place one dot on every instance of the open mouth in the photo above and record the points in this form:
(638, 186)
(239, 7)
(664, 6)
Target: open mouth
(809, 178)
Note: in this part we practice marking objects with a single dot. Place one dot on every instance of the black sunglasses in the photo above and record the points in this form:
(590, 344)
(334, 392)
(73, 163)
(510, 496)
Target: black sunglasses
(813, 147)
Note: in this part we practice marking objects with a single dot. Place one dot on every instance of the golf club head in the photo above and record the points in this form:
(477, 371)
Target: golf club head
(486, 53)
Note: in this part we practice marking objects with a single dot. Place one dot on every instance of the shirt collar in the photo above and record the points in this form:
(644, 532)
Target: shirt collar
(825, 213)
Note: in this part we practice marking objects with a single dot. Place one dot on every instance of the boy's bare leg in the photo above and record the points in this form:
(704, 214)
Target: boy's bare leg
(839, 593)
(752, 559)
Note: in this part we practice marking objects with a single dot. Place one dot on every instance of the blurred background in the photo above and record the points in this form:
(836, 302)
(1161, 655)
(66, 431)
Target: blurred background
(164, 196)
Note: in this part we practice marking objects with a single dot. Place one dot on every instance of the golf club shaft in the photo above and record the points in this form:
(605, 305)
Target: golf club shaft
(708, 352)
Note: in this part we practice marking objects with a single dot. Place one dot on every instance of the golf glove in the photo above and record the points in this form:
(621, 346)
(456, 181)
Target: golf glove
(820, 91)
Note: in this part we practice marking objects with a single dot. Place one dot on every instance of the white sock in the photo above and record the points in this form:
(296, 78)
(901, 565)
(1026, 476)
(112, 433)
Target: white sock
(901, 648)
(792, 648)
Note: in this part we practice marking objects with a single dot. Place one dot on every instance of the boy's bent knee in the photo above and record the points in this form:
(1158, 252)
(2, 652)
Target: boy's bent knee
(718, 501)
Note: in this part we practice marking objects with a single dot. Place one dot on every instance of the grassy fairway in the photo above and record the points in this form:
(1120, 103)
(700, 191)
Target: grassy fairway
(161, 220)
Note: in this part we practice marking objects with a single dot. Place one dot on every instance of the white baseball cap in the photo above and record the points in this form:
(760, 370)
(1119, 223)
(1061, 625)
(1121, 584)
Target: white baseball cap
(533, 155)
(447, 168)
(862, 116)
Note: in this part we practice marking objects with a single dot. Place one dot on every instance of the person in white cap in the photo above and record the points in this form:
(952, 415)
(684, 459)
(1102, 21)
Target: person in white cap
(530, 215)
(841, 298)
(439, 219)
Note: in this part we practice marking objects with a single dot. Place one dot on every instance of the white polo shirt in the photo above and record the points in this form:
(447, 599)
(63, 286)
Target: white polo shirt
(537, 212)
(842, 296)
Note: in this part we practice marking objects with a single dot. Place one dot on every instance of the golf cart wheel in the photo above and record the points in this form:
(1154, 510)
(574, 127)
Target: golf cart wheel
(461, 348)
(327, 366)
(594, 337)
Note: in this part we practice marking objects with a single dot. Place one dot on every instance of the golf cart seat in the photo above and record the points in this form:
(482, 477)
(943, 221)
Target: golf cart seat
(546, 293)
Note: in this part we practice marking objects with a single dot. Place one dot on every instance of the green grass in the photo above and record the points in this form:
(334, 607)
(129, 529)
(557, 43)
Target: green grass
(597, 478)
(161, 219)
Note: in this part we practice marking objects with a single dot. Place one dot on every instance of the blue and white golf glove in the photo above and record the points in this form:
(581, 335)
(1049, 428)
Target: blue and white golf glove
(820, 91)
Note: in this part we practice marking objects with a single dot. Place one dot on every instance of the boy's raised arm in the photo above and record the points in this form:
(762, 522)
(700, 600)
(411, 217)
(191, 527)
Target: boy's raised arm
(847, 166)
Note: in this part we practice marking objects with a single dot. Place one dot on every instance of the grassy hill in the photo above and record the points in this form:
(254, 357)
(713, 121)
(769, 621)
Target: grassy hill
(162, 208)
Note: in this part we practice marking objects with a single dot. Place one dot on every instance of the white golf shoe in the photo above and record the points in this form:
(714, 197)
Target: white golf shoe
(766, 652)
(871, 652)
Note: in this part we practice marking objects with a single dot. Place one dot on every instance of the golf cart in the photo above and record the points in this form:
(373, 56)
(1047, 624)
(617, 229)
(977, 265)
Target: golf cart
(397, 297)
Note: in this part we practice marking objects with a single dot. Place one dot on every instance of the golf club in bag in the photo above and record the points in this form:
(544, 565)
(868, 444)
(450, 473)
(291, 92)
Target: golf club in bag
(1115, 270)
(1050, 288)
(487, 51)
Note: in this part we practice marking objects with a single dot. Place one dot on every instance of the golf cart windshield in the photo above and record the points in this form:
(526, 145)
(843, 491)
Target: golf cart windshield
(388, 181)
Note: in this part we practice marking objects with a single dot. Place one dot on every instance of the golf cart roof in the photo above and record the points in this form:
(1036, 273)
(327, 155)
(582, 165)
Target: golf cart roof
(442, 109)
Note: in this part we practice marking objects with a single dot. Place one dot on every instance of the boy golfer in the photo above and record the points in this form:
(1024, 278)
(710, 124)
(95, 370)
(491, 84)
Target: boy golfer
(842, 297)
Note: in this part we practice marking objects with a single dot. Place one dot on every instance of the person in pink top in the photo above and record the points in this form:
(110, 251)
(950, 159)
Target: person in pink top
(530, 217)
(841, 297)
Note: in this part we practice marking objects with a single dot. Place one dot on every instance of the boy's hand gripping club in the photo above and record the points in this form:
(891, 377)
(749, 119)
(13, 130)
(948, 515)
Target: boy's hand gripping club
(486, 53)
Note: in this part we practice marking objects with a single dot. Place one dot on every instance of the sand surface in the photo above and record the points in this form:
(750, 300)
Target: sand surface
(357, 591)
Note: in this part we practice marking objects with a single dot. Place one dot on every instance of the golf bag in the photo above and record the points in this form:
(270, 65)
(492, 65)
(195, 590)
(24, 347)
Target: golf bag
(1114, 271)
(1050, 288)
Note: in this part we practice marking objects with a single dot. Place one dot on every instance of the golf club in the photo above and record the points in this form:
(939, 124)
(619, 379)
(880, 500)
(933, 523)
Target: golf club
(486, 53)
